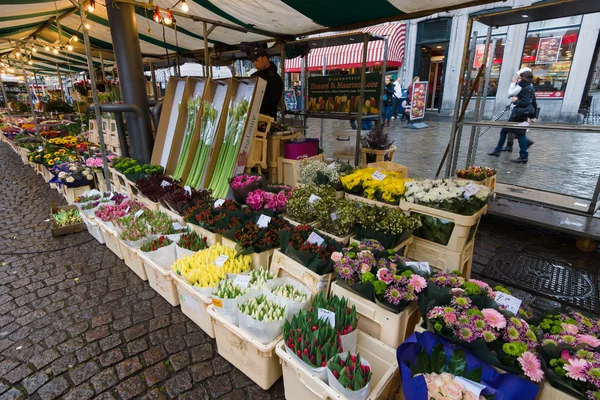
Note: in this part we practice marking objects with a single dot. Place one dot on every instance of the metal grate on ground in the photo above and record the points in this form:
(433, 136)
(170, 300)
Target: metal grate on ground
(547, 278)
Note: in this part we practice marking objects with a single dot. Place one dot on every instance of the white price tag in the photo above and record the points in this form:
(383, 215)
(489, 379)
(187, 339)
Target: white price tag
(263, 221)
(331, 166)
(470, 190)
(165, 184)
(378, 176)
(112, 194)
(313, 198)
(219, 262)
(242, 281)
(326, 314)
(188, 190)
(127, 210)
(177, 226)
(40, 148)
(219, 203)
(470, 386)
(138, 213)
(420, 266)
(315, 239)
(511, 303)
(323, 283)
(333, 216)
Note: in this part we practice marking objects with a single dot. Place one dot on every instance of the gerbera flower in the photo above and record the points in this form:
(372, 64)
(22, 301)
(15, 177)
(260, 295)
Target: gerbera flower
(493, 318)
(589, 340)
(384, 275)
(531, 366)
(417, 282)
(575, 369)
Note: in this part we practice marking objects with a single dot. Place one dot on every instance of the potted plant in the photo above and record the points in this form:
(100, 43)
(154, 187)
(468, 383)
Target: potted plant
(376, 146)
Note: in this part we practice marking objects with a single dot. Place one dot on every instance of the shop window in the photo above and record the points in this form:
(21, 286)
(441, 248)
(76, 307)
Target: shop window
(549, 52)
(496, 54)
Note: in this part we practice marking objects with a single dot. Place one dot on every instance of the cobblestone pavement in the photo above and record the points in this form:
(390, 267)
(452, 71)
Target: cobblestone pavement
(76, 323)
(561, 162)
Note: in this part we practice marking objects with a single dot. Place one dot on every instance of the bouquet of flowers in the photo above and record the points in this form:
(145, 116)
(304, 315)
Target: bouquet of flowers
(317, 172)
(73, 174)
(350, 375)
(241, 185)
(389, 226)
(378, 276)
(153, 188)
(274, 202)
(315, 255)
(434, 369)
(160, 223)
(301, 204)
(133, 229)
(366, 183)
(346, 318)
(156, 244)
(254, 239)
(263, 317)
(456, 196)
(336, 217)
(192, 241)
(180, 199)
(476, 173)
(110, 213)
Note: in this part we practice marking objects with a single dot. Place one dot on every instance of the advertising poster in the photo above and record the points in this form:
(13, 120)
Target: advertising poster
(341, 93)
(548, 50)
(479, 50)
(290, 99)
(419, 99)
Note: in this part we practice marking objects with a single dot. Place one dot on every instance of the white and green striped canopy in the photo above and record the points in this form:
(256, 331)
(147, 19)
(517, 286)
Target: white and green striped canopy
(261, 19)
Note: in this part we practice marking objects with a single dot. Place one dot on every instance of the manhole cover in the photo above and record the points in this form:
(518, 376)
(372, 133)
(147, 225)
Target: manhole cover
(547, 278)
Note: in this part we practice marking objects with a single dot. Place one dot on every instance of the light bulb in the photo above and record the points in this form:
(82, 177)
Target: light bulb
(55, 51)
(33, 50)
(47, 48)
(167, 20)
(18, 54)
(75, 38)
(91, 8)
(69, 47)
(184, 6)
(87, 26)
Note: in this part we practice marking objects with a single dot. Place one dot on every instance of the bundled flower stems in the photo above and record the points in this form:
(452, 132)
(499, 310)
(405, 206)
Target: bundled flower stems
(207, 132)
(234, 131)
(193, 107)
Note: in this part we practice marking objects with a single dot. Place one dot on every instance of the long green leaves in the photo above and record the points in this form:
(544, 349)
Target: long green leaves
(207, 133)
(192, 109)
(234, 131)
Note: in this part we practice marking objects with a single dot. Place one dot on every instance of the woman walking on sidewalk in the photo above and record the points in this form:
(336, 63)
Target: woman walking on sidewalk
(524, 109)
(388, 93)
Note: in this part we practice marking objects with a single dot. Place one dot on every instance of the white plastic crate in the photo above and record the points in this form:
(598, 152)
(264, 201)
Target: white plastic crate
(257, 361)
(194, 305)
(71, 194)
(132, 260)
(379, 323)
(282, 265)
(161, 280)
(93, 228)
(300, 384)
(110, 238)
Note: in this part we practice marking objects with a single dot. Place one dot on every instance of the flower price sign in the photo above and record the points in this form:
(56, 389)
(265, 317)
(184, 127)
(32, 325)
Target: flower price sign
(341, 93)
(419, 99)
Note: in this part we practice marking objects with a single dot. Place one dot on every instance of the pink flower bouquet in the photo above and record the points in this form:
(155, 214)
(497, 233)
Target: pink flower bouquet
(242, 185)
(259, 199)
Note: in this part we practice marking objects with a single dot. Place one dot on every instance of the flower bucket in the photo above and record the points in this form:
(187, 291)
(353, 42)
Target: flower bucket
(295, 150)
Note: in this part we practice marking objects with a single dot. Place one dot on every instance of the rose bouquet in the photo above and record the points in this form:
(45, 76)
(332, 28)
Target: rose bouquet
(366, 183)
(476, 173)
(274, 202)
(315, 254)
(302, 202)
(456, 196)
(378, 276)
(388, 226)
(434, 369)
(241, 185)
(73, 174)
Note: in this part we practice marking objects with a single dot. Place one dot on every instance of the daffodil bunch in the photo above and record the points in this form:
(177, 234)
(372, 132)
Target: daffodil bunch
(289, 292)
(227, 290)
(262, 309)
(389, 189)
(259, 277)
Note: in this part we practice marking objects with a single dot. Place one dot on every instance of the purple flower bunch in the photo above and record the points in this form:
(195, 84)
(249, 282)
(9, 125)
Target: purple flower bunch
(259, 199)
(443, 279)
(517, 330)
(243, 180)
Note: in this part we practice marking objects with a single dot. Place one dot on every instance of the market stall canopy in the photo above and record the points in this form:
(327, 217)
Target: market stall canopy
(540, 11)
(351, 55)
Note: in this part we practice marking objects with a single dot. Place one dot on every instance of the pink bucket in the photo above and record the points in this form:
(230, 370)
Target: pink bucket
(296, 149)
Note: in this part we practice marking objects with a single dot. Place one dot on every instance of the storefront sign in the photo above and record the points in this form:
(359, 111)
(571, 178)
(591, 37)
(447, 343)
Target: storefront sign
(419, 99)
(341, 93)
(479, 50)
(550, 95)
(548, 50)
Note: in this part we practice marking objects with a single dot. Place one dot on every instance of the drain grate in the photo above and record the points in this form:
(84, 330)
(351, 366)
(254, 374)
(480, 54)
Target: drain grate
(547, 278)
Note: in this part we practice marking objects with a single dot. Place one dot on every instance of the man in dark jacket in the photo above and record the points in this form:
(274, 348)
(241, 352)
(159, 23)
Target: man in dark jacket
(266, 70)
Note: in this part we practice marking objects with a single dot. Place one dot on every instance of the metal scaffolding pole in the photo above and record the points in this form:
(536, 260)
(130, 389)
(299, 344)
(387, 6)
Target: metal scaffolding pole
(60, 83)
(153, 79)
(383, 72)
(90, 62)
(359, 119)
(102, 67)
(5, 99)
(322, 119)
(24, 71)
(208, 72)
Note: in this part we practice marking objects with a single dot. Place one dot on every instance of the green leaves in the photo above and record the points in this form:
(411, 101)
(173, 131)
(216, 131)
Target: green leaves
(438, 359)
(458, 363)
(474, 374)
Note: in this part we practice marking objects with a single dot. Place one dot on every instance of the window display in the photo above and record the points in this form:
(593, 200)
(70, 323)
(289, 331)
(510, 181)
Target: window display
(496, 49)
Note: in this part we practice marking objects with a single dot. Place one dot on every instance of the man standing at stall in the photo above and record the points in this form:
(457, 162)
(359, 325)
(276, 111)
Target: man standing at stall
(266, 70)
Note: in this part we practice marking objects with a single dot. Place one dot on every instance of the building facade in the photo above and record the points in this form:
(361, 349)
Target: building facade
(562, 53)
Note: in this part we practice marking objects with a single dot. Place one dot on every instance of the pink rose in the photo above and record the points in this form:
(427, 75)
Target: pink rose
(570, 328)
(453, 390)
(364, 267)
(336, 256)
(449, 318)
(565, 355)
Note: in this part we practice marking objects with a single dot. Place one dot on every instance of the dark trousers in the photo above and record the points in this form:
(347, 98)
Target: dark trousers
(522, 138)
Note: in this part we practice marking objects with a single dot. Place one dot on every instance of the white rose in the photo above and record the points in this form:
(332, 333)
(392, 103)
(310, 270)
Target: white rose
(62, 174)
(70, 179)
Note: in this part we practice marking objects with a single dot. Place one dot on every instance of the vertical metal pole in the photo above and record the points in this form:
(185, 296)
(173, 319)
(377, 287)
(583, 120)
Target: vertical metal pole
(477, 109)
(594, 202)
(304, 93)
(324, 70)
(90, 62)
(282, 72)
(383, 72)
(35, 121)
(153, 78)
(5, 99)
(102, 66)
(206, 51)
(488, 74)
(361, 100)
(461, 79)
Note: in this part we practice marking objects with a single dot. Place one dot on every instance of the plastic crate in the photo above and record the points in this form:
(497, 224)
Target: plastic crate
(161, 280)
(390, 167)
(194, 305)
(171, 214)
(114, 181)
(441, 258)
(548, 392)
(149, 204)
(25, 155)
(110, 239)
(258, 259)
(299, 383)
(257, 361)
(71, 194)
(93, 228)
(379, 323)
(282, 266)
(465, 227)
(489, 182)
(211, 237)
(132, 260)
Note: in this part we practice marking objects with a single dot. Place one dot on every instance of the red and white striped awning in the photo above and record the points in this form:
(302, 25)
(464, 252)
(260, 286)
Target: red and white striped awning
(350, 55)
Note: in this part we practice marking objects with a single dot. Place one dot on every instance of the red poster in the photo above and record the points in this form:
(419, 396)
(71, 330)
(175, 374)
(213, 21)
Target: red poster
(550, 95)
(548, 50)
(479, 50)
(419, 99)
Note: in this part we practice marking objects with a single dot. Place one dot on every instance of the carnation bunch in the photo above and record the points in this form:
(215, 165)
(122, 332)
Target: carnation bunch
(263, 309)
(156, 244)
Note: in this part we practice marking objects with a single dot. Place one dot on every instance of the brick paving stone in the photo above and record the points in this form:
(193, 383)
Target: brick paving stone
(154, 355)
(18, 374)
(255, 392)
(219, 385)
(240, 380)
(110, 341)
(88, 352)
(180, 360)
(178, 384)
(130, 388)
(137, 346)
(80, 374)
(128, 367)
(62, 364)
(104, 380)
(7, 365)
(33, 382)
(155, 374)
(12, 394)
(237, 394)
(111, 357)
(97, 333)
(221, 365)
(202, 352)
(134, 332)
(53, 389)
(83, 392)
(202, 371)
(155, 394)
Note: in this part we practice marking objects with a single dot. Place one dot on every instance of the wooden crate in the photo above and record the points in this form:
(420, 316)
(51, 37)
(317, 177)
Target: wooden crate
(71, 194)
(405, 244)
(288, 169)
(380, 155)
(211, 237)
(489, 182)
(64, 230)
(442, 259)
(284, 266)
(549, 392)
(361, 199)
(388, 166)
(257, 155)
